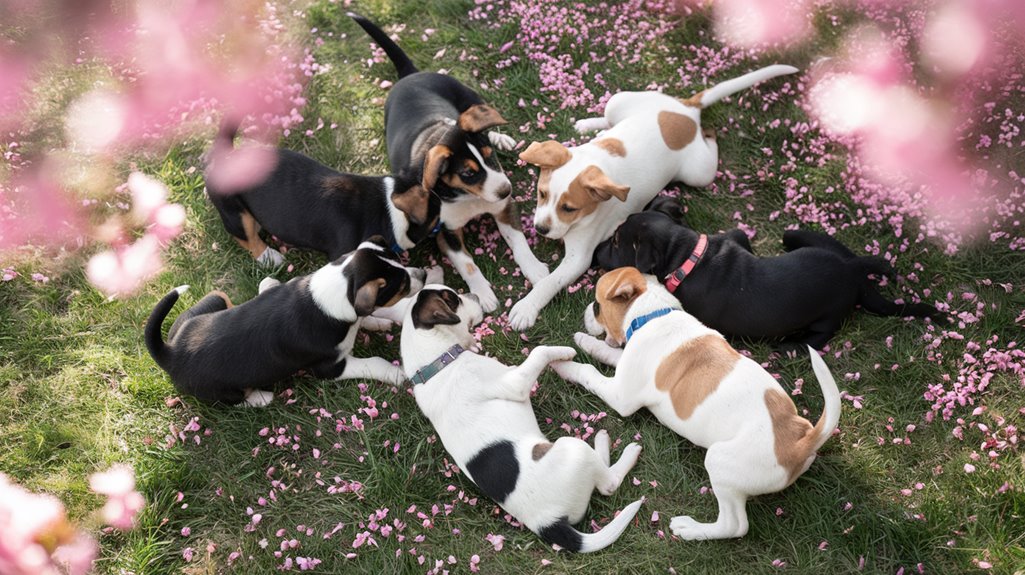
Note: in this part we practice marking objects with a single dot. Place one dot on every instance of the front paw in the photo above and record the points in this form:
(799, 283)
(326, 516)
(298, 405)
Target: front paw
(535, 271)
(560, 353)
(435, 275)
(586, 125)
(523, 315)
(371, 323)
(587, 342)
(394, 376)
(270, 258)
(565, 369)
(486, 296)
(502, 141)
(257, 398)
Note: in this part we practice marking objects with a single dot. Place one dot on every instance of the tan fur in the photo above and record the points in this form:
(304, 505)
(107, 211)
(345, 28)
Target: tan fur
(795, 436)
(433, 163)
(413, 202)
(540, 450)
(694, 101)
(455, 181)
(547, 154)
(252, 243)
(693, 371)
(587, 191)
(223, 296)
(613, 146)
(544, 185)
(480, 117)
(677, 130)
(509, 216)
(614, 293)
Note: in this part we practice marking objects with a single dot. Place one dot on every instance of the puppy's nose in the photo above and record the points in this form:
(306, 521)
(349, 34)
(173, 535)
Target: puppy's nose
(505, 191)
(542, 229)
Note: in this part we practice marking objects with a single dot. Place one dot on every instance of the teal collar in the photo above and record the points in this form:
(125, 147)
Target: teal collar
(639, 322)
(432, 369)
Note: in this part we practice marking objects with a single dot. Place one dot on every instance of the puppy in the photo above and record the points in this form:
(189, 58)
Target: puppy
(701, 388)
(235, 354)
(803, 295)
(307, 204)
(436, 126)
(584, 193)
(482, 413)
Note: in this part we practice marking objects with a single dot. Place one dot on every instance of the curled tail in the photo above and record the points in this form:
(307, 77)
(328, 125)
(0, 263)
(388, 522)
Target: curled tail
(153, 338)
(830, 417)
(563, 534)
(719, 91)
(403, 65)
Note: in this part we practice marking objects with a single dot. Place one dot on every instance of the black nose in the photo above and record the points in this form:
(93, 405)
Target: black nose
(543, 230)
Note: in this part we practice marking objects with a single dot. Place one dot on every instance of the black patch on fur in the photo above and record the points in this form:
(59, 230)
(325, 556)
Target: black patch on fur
(435, 306)
(563, 534)
(495, 470)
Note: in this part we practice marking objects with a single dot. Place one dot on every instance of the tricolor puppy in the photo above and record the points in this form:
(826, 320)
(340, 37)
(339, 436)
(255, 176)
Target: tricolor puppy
(584, 193)
(482, 413)
(803, 295)
(436, 126)
(701, 388)
(307, 204)
(235, 354)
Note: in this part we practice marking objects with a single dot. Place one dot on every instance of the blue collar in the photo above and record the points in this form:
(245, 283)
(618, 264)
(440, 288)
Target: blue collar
(639, 322)
(432, 369)
(395, 247)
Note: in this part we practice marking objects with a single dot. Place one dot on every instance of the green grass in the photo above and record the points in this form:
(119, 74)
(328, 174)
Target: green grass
(78, 391)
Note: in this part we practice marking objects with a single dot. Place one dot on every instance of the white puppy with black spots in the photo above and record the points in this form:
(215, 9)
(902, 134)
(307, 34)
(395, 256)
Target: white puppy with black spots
(690, 378)
(585, 193)
(481, 410)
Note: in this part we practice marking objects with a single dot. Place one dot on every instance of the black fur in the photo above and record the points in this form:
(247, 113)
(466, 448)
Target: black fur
(495, 470)
(563, 534)
(307, 204)
(803, 295)
(215, 352)
(435, 307)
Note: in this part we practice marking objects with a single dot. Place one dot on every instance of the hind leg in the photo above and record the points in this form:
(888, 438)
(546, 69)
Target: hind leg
(701, 162)
(608, 480)
(817, 335)
(727, 468)
(251, 241)
(212, 302)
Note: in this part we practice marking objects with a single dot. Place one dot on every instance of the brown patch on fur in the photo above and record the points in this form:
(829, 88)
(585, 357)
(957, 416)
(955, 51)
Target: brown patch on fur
(486, 151)
(677, 130)
(544, 183)
(614, 293)
(794, 434)
(509, 216)
(586, 192)
(434, 165)
(223, 296)
(366, 296)
(613, 146)
(252, 243)
(693, 371)
(413, 202)
(403, 292)
(480, 117)
(540, 450)
(547, 154)
(453, 180)
(471, 165)
(694, 101)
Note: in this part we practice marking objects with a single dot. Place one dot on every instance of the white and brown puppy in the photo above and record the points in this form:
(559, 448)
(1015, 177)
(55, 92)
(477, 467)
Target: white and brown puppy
(697, 385)
(585, 193)
(481, 410)
(218, 352)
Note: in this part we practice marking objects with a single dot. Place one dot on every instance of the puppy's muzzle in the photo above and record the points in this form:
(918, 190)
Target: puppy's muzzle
(417, 276)
(591, 324)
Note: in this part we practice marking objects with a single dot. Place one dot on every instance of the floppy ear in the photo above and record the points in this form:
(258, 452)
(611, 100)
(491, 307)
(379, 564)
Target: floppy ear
(668, 206)
(412, 202)
(434, 165)
(627, 283)
(548, 154)
(366, 297)
(599, 186)
(648, 255)
(480, 117)
(431, 309)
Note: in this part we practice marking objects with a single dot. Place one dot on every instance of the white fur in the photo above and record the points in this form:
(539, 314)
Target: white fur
(399, 220)
(267, 283)
(501, 141)
(181, 289)
(270, 258)
(476, 401)
(649, 165)
(257, 398)
(732, 423)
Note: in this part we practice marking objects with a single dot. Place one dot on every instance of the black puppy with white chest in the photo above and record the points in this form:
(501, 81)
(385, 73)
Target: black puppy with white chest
(803, 295)
(235, 354)
(436, 126)
(307, 204)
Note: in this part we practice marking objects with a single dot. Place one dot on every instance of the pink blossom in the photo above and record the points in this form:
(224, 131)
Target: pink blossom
(123, 501)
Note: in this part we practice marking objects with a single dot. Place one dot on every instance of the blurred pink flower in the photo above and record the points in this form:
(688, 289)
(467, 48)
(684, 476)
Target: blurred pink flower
(235, 170)
(123, 501)
(754, 23)
(122, 271)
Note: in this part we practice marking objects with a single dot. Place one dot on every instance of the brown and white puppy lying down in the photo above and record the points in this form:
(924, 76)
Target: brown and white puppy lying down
(481, 410)
(235, 354)
(701, 388)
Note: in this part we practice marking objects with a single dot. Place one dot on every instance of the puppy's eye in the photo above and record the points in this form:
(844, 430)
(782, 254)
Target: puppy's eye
(568, 208)
(597, 309)
(467, 173)
(615, 240)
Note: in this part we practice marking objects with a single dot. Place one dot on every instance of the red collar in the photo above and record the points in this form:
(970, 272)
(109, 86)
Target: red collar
(673, 280)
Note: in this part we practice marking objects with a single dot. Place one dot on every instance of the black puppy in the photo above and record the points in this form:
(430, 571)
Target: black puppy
(220, 353)
(436, 126)
(307, 204)
(803, 295)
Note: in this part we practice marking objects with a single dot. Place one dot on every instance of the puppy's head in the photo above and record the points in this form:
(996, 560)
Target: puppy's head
(464, 161)
(642, 241)
(363, 280)
(442, 309)
(615, 293)
(420, 209)
(568, 191)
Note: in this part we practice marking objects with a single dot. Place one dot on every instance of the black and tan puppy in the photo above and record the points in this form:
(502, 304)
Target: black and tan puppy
(437, 126)
(803, 295)
(307, 204)
(235, 354)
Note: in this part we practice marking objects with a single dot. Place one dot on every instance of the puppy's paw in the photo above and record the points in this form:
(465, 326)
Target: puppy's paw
(435, 275)
(523, 315)
(631, 453)
(502, 141)
(566, 369)
(688, 529)
(270, 258)
(257, 398)
(560, 353)
(394, 376)
(267, 283)
(587, 342)
(534, 271)
(586, 125)
(486, 296)
(371, 323)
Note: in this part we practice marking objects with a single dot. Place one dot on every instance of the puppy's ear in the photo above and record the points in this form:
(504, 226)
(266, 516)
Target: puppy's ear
(623, 284)
(599, 186)
(480, 117)
(413, 202)
(366, 297)
(668, 206)
(435, 165)
(548, 154)
(648, 256)
(431, 309)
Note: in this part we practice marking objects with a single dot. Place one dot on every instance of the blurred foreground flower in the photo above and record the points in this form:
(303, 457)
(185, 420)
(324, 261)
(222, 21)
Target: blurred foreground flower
(123, 501)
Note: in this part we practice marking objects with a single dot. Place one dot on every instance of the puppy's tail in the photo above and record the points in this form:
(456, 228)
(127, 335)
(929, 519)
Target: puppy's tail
(403, 65)
(873, 302)
(154, 340)
(563, 534)
(719, 91)
(831, 412)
